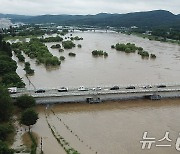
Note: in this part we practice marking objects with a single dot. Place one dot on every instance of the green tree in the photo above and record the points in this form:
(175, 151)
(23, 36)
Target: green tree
(29, 117)
(4, 148)
(5, 130)
(12, 79)
(6, 105)
(25, 101)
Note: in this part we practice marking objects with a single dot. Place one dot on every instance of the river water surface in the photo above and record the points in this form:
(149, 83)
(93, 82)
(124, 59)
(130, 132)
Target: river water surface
(118, 68)
(112, 127)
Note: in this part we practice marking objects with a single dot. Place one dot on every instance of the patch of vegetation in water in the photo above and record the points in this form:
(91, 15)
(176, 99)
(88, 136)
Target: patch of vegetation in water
(28, 69)
(36, 49)
(68, 44)
(62, 58)
(76, 38)
(132, 48)
(51, 39)
(79, 46)
(19, 55)
(71, 54)
(56, 46)
(97, 53)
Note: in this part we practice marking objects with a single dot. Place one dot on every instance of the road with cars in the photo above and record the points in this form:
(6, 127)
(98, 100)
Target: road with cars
(65, 91)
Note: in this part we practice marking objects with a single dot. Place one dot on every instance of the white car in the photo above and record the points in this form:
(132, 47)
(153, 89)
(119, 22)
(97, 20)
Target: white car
(12, 90)
(82, 88)
(97, 88)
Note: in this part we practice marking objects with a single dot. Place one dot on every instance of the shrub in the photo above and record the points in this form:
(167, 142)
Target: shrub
(56, 46)
(153, 56)
(61, 50)
(99, 53)
(71, 54)
(79, 46)
(5, 130)
(68, 44)
(112, 46)
(25, 101)
(4, 148)
(62, 58)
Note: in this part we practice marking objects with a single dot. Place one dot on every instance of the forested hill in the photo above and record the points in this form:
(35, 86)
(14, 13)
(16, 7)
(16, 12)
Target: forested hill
(139, 19)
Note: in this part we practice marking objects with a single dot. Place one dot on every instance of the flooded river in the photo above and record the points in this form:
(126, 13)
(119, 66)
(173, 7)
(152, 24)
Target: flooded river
(118, 68)
(111, 127)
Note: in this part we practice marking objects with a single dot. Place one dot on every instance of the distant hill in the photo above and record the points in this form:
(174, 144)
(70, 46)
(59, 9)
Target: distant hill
(14, 17)
(140, 19)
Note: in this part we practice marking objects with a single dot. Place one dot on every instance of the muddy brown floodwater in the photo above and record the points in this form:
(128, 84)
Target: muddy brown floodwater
(118, 68)
(111, 127)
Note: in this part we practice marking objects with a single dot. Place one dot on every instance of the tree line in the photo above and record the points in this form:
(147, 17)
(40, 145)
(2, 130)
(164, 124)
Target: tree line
(8, 75)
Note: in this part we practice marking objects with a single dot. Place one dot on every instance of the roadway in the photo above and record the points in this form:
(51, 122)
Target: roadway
(90, 91)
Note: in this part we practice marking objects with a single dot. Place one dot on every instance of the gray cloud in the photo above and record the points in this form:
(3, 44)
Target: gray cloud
(37, 7)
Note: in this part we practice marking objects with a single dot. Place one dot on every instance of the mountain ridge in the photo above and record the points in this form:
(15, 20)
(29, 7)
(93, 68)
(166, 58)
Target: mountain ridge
(153, 18)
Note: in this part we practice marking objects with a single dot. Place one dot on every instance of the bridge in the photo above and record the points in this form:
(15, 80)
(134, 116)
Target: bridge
(105, 94)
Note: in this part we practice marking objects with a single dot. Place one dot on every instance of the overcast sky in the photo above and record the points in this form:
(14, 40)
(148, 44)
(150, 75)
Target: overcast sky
(39, 7)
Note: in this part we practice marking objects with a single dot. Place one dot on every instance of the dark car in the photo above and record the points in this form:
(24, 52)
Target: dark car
(63, 89)
(161, 86)
(40, 91)
(131, 87)
(114, 88)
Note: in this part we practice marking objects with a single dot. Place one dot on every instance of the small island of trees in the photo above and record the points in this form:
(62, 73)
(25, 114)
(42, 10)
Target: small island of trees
(79, 46)
(76, 38)
(68, 44)
(97, 53)
(56, 46)
(19, 55)
(62, 58)
(28, 69)
(51, 39)
(71, 54)
(132, 48)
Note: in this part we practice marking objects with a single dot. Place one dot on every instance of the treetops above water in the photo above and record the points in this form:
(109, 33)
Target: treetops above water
(36, 49)
(51, 39)
(68, 44)
(98, 53)
(132, 48)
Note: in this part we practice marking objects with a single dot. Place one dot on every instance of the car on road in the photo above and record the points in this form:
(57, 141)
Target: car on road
(97, 88)
(82, 88)
(147, 87)
(40, 91)
(63, 89)
(12, 90)
(114, 88)
(161, 86)
(131, 87)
